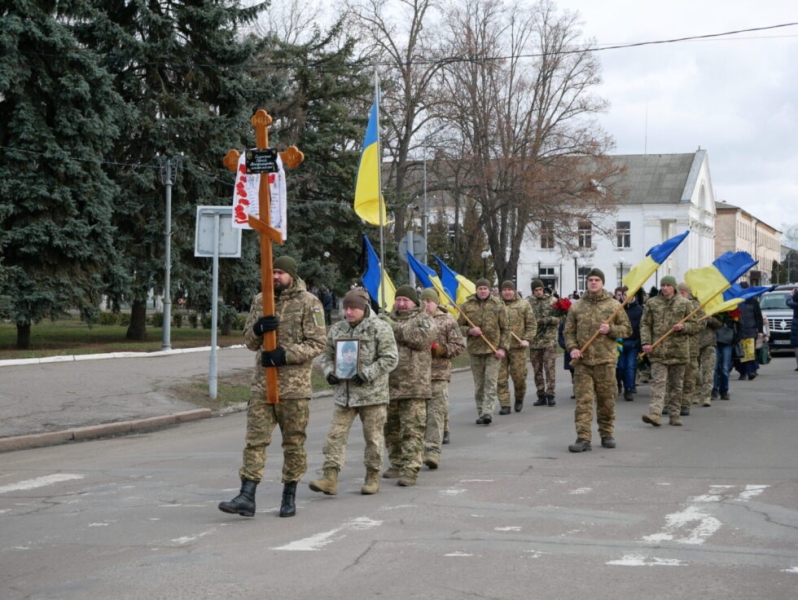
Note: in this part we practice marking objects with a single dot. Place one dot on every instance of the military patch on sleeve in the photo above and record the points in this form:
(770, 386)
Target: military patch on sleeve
(318, 316)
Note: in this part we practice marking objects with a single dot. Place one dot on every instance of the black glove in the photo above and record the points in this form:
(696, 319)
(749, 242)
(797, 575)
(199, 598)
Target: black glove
(358, 380)
(332, 379)
(273, 358)
(265, 324)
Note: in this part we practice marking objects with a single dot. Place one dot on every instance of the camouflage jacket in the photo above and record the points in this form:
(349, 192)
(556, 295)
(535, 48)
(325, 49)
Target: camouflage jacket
(414, 332)
(448, 336)
(659, 317)
(694, 339)
(522, 321)
(546, 334)
(708, 336)
(490, 315)
(301, 332)
(585, 318)
(378, 356)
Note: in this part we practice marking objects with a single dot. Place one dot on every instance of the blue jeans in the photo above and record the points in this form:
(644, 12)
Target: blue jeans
(627, 364)
(723, 360)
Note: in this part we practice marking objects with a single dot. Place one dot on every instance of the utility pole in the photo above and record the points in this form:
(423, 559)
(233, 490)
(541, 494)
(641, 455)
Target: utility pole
(169, 168)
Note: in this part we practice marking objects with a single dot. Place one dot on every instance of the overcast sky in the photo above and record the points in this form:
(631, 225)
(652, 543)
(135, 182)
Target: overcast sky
(735, 98)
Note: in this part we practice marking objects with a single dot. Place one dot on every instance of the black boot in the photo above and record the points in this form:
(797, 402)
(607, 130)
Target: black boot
(541, 401)
(244, 503)
(288, 507)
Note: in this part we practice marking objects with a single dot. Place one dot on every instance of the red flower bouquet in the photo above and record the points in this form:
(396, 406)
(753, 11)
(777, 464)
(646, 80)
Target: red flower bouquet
(560, 308)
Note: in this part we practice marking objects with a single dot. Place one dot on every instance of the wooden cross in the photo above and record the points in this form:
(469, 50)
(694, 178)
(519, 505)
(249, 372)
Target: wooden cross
(291, 158)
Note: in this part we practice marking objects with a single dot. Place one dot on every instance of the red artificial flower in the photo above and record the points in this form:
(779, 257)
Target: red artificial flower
(561, 307)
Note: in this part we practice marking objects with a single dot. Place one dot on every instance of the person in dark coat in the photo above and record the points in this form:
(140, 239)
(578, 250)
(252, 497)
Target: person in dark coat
(566, 358)
(792, 302)
(328, 302)
(750, 327)
(627, 361)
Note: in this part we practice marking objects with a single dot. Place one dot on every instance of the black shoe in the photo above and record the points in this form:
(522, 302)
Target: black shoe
(715, 394)
(633, 390)
(550, 401)
(519, 404)
(505, 410)
(580, 446)
(541, 401)
(685, 411)
(627, 395)
(487, 419)
(725, 396)
(244, 503)
(288, 506)
(445, 437)
(480, 421)
(608, 442)
(752, 376)
(742, 377)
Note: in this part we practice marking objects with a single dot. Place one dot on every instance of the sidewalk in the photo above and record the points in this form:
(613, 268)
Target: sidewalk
(59, 399)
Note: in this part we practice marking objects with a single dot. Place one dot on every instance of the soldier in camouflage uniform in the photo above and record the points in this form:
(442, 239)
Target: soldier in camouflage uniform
(483, 321)
(662, 313)
(691, 373)
(522, 332)
(448, 343)
(409, 386)
(543, 350)
(706, 361)
(299, 322)
(365, 395)
(594, 370)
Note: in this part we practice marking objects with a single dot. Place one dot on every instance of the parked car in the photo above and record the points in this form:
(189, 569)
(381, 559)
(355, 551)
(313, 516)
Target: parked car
(774, 309)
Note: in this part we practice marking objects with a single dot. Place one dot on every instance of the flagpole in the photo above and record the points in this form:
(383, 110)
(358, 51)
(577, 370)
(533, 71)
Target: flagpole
(607, 322)
(683, 321)
(379, 192)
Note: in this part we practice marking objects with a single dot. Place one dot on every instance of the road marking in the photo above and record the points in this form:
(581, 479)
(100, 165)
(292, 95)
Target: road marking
(511, 528)
(316, 542)
(458, 554)
(790, 570)
(638, 560)
(751, 491)
(582, 490)
(32, 484)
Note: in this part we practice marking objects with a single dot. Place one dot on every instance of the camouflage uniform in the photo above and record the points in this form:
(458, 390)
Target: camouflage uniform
(522, 324)
(669, 358)
(691, 373)
(409, 388)
(377, 357)
(594, 373)
(449, 338)
(706, 362)
(490, 315)
(301, 332)
(543, 349)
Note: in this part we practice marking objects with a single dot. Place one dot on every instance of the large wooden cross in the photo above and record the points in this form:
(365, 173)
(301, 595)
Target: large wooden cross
(291, 158)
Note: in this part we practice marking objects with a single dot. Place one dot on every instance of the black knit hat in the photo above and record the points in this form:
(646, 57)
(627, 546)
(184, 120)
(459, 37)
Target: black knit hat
(594, 272)
(482, 282)
(408, 291)
(508, 285)
(287, 264)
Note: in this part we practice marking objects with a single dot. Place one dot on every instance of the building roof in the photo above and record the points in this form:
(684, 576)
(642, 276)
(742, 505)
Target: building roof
(654, 178)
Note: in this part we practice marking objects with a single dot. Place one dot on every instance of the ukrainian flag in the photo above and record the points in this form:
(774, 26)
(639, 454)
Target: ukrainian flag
(375, 279)
(735, 295)
(657, 255)
(429, 279)
(457, 287)
(708, 282)
(369, 202)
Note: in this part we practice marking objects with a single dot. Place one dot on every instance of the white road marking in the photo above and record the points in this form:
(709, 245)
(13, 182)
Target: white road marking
(318, 541)
(582, 490)
(638, 560)
(32, 484)
(751, 491)
(704, 525)
(790, 570)
(458, 554)
(452, 492)
(513, 528)
(190, 538)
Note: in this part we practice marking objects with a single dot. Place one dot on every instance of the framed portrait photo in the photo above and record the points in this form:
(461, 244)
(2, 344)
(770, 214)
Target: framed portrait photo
(347, 358)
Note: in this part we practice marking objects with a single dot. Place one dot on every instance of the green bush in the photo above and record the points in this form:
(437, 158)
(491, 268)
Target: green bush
(178, 319)
(156, 319)
(240, 322)
(108, 318)
(124, 319)
(192, 320)
(206, 321)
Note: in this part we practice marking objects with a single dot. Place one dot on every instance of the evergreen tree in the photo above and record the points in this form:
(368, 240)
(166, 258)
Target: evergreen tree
(59, 116)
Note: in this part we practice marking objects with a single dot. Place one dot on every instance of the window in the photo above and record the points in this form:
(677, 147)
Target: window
(623, 234)
(546, 234)
(585, 234)
(548, 277)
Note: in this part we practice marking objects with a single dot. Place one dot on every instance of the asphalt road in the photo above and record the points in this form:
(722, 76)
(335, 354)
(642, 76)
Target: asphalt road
(708, 510)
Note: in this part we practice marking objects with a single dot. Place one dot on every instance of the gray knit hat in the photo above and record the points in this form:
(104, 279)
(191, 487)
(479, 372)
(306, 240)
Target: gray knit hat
(668, 280)
(287, 264)
(408, 291)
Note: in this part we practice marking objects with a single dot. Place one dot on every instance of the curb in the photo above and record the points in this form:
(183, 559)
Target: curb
(80, 357)
(80, 434)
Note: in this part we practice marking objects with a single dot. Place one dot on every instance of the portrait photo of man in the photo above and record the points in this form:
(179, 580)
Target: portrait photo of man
(346, 353)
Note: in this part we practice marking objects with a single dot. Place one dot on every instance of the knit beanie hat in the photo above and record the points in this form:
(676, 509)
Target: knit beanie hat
(408, 291)
(683, 287)
(356, 299)
(536, 283)
(594, 272)
(482, 282)
(668, 280)
(430, 294)
(287, 264)
(508, 285)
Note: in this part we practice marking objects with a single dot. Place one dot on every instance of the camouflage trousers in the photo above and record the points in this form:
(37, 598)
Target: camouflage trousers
(404, 434)
(706, 375)
(485, 369)
(690, 381)
(542, 360)
(597, 384)
(292, 417)
(513, 365)
(373, 419)
(666, 388)
(437, 413)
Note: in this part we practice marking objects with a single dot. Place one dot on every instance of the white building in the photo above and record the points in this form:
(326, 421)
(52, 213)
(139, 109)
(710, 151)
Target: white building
(661, 195)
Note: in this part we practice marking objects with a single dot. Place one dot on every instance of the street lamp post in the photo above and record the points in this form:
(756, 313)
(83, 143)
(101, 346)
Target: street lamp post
(575, 256)
(425, 214)
(485, 255)
(621, 262)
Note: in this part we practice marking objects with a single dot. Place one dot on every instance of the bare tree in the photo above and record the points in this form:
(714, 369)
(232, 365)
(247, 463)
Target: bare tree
(517, 89)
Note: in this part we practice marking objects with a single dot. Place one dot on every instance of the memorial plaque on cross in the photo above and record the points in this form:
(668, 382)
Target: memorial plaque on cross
(291, 158)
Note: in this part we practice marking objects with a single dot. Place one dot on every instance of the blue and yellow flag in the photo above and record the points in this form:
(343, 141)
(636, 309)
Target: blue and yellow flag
(457, 287)
(733, 296)
(428, 278)
(708, 282)
(657, 255)
(376, 278)
(369, 202)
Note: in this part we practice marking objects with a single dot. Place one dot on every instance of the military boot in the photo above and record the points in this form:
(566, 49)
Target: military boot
(550, 400)
(327, 484)
(541, 401)
(446, 438)
(505, 410)
(652, 419)
(288, 506)
(519, 405)
(431, 460)
(372, 483)
(580, 445)
(244, 503)
(407, 479)
(391, 473)
(675, 420)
